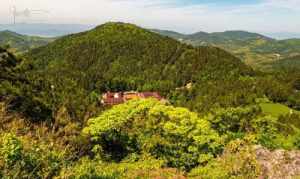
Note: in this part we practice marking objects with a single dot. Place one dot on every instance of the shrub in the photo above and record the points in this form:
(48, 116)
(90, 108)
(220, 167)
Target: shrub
(234, 119)
(87, 168)
(10, 149)
(175, 135)
(238, 161)
(35, 161)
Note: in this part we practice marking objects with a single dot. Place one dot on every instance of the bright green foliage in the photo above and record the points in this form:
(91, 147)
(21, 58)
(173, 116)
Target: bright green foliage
(42, 161)
(275, 109)
(238, 122)
(234, 119)
(140, 138)
(237, 162)
(10, 149)
(270, 131)
(281, 132)
(179, 137)
(33, 162)
(86, 168)
(175, 135)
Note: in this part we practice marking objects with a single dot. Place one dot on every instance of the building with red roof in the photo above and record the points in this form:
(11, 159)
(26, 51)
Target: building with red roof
(116, 98)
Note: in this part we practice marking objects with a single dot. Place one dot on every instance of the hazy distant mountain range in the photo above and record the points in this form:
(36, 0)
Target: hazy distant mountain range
(22, 43)
(283, 35)
(41, 29)
(48, 30)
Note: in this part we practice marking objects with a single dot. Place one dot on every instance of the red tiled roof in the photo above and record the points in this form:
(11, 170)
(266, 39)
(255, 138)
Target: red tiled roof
(110, 98)
(150, 94)
(113, 101)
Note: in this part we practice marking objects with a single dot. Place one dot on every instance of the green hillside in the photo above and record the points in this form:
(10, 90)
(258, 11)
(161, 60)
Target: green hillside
(117, 47)
(276, 110)
(253, 48)
(289, 47)
(215, 37)
(290, 65)
(22, 43)
(229, 37)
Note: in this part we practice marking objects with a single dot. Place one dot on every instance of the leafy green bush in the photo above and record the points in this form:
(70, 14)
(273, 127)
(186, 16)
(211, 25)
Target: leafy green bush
(234, 119)
(86, 168)
(271, 131)
(237, 162)
(10, 149)
(177, 136)
(35, 161)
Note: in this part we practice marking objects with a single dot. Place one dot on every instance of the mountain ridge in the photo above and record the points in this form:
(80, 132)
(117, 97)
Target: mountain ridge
(22, 43)
(228, 33)
(253, 48)
(44, 29)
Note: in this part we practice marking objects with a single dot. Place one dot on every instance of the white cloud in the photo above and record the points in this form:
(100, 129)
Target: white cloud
(287, 4)
(267, 16)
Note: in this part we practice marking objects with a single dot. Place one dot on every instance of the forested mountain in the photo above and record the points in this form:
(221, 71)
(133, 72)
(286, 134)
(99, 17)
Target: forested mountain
(53, 125)
(21, 43)
(291, 63)
(117, 57)
(215, 37)
(253, 48)
(126, 51)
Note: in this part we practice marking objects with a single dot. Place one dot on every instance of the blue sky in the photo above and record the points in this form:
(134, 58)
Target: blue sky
(268, 16)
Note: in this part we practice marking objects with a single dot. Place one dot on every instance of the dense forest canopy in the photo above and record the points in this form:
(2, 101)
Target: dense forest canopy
(117, 57)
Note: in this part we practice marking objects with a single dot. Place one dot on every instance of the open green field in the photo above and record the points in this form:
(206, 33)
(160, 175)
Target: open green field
(276, 109)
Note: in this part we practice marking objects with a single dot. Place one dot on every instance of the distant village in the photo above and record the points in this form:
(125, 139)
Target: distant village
(115, 98)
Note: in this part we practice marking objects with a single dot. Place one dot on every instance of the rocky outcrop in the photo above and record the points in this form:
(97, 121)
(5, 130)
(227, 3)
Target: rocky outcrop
(278, 164)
